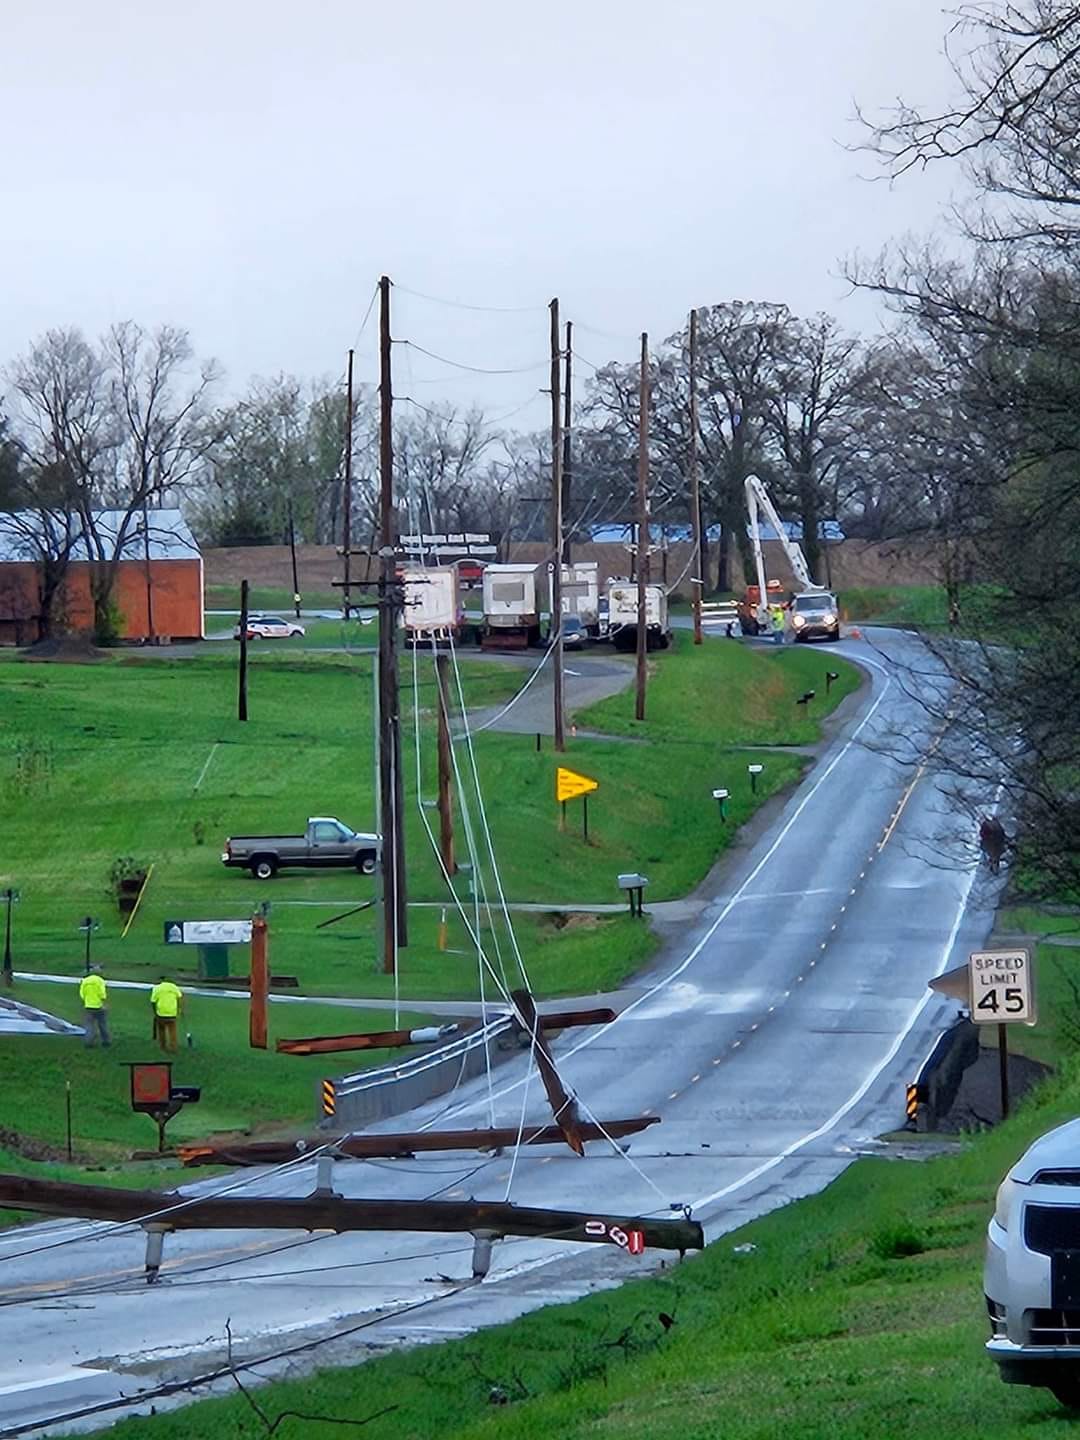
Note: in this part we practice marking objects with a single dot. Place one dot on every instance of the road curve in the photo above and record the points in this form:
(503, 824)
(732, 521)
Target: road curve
(774, 1045)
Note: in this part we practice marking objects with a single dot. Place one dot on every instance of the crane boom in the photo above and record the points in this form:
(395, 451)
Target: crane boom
(757, 497)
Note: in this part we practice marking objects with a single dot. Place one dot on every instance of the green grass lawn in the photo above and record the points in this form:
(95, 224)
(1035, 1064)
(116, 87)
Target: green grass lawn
(923, 607)
(859, 1313)
(274, 599)
(727, 693)
(146, 759)
(244, 1091)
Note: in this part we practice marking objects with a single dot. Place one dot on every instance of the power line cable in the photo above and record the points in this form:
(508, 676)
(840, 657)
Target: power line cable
(461, 305)
(474, 369)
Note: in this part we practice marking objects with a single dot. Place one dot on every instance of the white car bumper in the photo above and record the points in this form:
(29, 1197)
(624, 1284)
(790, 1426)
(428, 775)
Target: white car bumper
(1032, 1283)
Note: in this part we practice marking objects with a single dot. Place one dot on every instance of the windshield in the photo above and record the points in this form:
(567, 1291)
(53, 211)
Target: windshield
(815, 602)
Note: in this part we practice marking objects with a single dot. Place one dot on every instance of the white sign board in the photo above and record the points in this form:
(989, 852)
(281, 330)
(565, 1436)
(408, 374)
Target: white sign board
(1002, 987)
(208, 932)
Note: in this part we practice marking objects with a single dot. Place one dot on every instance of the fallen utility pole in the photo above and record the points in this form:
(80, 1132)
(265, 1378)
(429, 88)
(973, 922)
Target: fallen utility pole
(401, 1146)
(169, 1210)
(642, 527)
(389, 1039)
(375, 1040)
(563, 1106)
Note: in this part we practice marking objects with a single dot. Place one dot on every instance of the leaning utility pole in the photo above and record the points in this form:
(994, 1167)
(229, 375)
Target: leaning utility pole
(642, 524)
(446, 803)
(567, 456)
(556, 529)
(391, 805)
(347, 506)
(695, 493)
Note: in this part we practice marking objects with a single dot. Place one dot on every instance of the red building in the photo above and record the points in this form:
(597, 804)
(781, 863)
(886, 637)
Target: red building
(159, 577)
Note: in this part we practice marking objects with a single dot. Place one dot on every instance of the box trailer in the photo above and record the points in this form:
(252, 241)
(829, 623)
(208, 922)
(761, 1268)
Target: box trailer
(622, 598)
(432, 607)
(512, 596)
(580, 594)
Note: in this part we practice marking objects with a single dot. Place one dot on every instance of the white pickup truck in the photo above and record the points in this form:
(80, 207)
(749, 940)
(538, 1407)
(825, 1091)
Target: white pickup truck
(325, 844)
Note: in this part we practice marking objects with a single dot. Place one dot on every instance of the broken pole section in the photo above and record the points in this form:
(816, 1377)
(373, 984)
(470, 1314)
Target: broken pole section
(563, 1106)
(403, 1144)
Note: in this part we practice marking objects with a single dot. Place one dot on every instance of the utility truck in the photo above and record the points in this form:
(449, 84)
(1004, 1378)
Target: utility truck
(813, 609)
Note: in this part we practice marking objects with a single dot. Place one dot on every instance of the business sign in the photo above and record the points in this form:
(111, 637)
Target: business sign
(207, 932)
(445, 546)
(1002, 987)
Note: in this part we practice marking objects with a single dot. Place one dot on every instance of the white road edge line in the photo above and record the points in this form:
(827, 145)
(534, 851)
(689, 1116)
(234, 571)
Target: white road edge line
(886, 1060)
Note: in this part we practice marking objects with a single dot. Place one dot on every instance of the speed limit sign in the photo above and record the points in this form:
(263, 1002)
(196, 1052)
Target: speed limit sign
(1002, 987)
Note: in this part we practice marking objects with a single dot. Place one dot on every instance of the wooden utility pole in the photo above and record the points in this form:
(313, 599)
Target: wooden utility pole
(292, 551)
(446, 803)
(347, 506)
(695, 492)
(642, 525)
(390, 781)
(241, 698)
(567, 449)
(260, 983)
(556, 528)
(148, 573)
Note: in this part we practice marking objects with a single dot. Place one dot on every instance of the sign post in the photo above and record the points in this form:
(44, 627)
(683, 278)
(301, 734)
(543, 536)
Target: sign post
(9, 896)
(1002, 994)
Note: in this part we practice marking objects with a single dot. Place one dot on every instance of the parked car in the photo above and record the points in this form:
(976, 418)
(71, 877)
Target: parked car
(574, 634)
(325, 844)
(815, 616)
(1032, 1272)
(270, 627)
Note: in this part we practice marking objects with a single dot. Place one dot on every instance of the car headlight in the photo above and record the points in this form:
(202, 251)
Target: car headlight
(830, 619)
(1007, 1194)
(798, 621)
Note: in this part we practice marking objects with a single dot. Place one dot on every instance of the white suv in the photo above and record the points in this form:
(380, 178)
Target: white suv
(1032, 1276)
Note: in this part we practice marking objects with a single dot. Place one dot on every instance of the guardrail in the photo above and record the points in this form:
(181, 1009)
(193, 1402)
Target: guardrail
(717, 614)
(933, 1090)
(358, 1099)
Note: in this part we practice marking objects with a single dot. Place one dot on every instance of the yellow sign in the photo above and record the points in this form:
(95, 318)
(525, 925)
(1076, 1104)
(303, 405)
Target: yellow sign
(569, 784)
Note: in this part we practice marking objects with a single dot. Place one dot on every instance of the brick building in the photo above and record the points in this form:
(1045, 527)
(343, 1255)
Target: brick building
(159, 578)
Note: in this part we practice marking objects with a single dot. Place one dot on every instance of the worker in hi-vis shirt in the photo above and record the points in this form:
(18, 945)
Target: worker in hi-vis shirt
(94, 995)
(167, 1001)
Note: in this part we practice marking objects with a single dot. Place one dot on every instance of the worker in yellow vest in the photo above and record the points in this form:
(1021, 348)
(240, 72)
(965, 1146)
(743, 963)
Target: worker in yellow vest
(167, 1001)
(94, 995)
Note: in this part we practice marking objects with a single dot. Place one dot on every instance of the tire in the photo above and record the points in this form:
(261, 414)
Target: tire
(264, 867)
(365, 862)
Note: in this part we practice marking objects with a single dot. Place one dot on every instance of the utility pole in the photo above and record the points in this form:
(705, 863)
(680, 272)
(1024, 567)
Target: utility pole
(556, 527)
(259, 985)
(347, 507)
(292, 549)
(241, 698)
(642, 524)
(695, 493)
(390, 781)
(446, 804)
(148, 573)
(9, 896)
(567, 455)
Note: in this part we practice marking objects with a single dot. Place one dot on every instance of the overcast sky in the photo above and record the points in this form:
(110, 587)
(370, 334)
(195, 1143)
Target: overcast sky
(247, 170)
